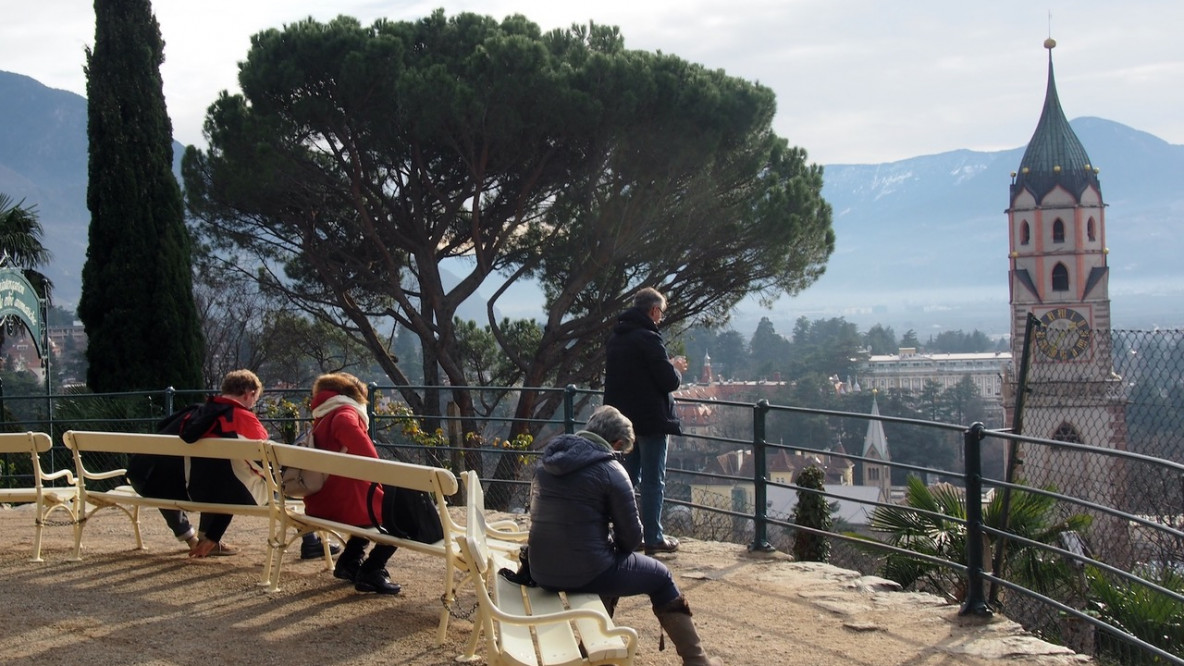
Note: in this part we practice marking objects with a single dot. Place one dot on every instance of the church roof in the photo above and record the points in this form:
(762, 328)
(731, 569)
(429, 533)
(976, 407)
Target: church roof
(1055, 155)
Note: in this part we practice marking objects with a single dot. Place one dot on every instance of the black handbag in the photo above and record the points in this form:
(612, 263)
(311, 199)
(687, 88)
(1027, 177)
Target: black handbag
(407, 514)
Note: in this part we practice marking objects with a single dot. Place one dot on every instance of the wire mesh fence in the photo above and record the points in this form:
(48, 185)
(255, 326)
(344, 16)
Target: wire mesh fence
(1110, 447)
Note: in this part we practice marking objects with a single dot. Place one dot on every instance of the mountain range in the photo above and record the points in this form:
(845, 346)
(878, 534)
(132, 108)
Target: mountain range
(921, 243)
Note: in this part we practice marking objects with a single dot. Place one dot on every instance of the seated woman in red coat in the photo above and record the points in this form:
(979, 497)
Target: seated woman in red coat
(340, 423)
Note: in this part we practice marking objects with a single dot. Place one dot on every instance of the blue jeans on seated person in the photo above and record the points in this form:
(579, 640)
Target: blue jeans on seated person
(635, 574)
(646, 465)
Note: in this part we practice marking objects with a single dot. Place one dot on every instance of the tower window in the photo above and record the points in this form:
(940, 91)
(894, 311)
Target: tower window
(1060, 278)
(1089, 230)
(1058, 231)
(1025, 233)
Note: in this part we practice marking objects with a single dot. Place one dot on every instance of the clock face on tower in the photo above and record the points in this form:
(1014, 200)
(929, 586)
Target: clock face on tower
(1063, 335)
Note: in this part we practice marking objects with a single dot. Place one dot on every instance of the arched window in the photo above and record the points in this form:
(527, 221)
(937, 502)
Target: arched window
(1058, 231)
(1089, 230)
(1025, 233)
(1060, 278)
(1067, 433)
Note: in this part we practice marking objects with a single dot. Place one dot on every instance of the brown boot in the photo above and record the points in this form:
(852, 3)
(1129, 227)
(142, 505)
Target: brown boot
(675, 618)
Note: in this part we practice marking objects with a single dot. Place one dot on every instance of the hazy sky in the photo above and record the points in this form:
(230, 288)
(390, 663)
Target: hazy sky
(857, 81)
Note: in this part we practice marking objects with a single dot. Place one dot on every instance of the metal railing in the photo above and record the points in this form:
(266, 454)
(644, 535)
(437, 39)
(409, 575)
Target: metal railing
(1083, 544)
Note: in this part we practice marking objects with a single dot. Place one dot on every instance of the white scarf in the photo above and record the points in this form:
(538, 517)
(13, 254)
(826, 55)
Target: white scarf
(342, 401)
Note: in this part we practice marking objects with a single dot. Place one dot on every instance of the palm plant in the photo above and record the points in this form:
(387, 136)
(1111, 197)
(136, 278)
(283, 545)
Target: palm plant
(20, 242)
(1140, 610)
(933, 523)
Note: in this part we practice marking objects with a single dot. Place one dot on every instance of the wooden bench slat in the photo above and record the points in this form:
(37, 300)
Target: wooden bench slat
(516, 641)
(599, 646)
(557, 643)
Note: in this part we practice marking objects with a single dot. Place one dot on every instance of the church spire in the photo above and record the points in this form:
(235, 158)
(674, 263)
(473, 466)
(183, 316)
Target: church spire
(875, 443)
(1055, 155)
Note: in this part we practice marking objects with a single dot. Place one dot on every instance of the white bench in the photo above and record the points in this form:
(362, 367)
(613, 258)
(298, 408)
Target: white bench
(437, 481)
(124, 498)
(529, 626)
(47, 499)
(503, 535)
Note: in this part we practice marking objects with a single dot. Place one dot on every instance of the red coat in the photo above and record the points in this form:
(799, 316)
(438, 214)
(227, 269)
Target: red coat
(342, 499)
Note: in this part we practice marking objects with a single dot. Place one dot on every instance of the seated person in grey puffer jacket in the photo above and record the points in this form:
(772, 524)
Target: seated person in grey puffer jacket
(584, 529)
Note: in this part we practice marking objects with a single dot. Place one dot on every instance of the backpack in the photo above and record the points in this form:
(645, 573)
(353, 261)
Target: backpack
(143, 467)
(295, 482)
(408, 514)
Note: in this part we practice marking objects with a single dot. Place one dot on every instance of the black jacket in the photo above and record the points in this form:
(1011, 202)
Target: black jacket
(639, 377)
(582, 512)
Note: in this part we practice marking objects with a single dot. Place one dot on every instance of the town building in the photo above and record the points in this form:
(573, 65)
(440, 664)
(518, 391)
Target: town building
(909, 370)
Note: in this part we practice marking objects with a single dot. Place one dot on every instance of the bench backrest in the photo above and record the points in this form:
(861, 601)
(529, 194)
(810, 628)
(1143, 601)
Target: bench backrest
(169, 445)
(436, 480)
(32, 444)
(25, 442)
(475, 531)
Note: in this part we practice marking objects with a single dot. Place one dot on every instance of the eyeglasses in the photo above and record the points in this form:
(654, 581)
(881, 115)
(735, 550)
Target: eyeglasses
(661, 313)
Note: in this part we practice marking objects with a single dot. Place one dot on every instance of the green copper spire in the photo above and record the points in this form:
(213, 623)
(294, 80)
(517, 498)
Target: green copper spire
(1055, 155)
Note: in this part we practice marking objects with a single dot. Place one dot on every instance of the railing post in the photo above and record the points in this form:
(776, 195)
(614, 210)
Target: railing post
(569, 409)
(975, 603)
(372, 389)
(169, 394)
(760, 475)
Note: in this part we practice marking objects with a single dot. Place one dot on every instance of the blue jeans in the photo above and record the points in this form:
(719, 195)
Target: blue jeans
(635, 574)
(646, 465)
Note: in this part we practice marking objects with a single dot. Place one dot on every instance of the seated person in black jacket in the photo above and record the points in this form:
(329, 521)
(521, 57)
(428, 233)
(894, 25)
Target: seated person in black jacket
(584, 529)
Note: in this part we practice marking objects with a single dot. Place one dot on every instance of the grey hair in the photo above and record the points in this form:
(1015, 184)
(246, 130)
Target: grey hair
(648, 297)
(612, 425)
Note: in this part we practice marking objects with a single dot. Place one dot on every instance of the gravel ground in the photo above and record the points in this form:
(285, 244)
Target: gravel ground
(157, 607)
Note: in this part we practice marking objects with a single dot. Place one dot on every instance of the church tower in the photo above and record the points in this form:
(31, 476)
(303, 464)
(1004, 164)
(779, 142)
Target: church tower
(875, 448)
(1059, 274)
(1057, 224)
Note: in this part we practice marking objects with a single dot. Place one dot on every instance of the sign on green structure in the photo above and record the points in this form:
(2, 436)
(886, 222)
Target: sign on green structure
(19, 299)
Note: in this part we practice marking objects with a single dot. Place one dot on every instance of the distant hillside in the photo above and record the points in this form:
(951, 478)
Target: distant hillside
(43, 160)
(921, 243)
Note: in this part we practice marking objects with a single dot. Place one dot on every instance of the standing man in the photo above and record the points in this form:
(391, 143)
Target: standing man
(639, 377)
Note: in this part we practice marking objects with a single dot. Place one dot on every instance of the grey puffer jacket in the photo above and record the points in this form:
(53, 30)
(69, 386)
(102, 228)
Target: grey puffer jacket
(582, 512)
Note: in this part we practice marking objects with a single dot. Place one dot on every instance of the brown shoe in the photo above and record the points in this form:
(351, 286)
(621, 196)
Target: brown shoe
(222, 550)
(667, 545)
(206, 547)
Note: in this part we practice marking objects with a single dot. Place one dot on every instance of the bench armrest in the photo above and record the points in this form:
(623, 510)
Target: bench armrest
(68, 474)
(99, 476)
(507, 530)
(626, 634)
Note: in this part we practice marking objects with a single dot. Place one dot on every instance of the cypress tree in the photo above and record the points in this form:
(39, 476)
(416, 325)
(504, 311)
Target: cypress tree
(137, 287)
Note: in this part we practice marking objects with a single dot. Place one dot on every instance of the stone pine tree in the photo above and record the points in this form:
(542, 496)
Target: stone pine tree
(137, 288)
